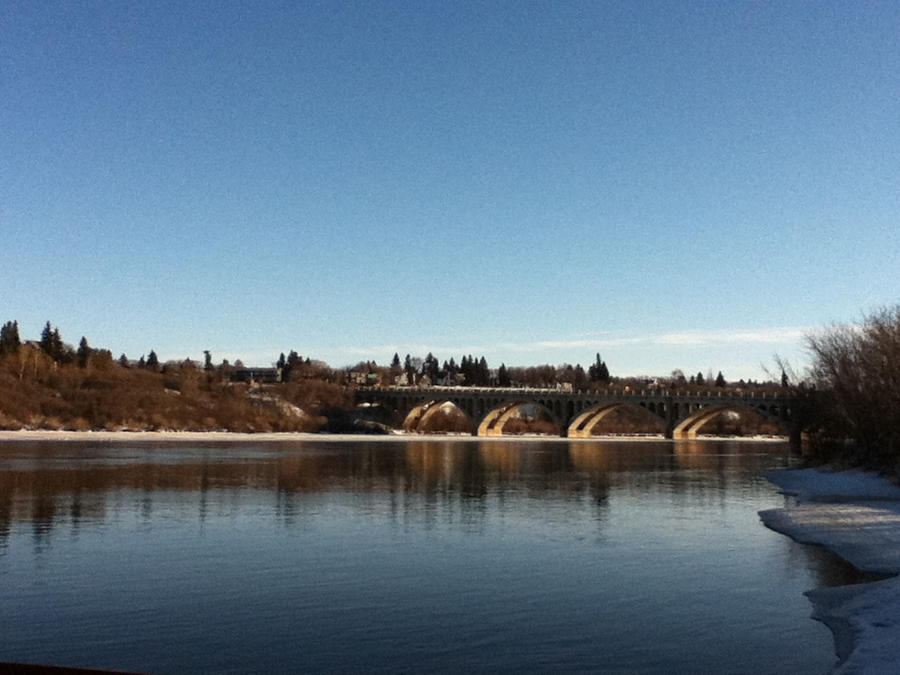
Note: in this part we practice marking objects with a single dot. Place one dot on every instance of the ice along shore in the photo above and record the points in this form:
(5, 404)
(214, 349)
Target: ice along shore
(855, 514)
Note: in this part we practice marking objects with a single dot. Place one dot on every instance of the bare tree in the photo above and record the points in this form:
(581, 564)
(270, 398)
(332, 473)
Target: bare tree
(857, 370)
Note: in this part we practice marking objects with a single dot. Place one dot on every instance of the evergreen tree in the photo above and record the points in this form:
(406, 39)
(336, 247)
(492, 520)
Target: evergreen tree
(452, 370)
(784, 379)
(9, 338)
(152, 360)
(291, 369)
(598, 372)
(51, 343)
(699, 379)
(46, 343)
(141, 362)
(720, 380)
(484, 373)
(503, 378)
(280, 363)
(410, 370)
(207, 360)
(430, 368)
(594, 369)
(604, 372)
(123, 361)
(395, 362)
(83, 353)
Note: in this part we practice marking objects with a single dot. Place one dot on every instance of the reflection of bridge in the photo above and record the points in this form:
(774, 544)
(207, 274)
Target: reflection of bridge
(577, 413)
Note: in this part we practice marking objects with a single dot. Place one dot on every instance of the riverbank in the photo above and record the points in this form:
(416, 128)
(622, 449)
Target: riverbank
(220, 436)
(856, 515)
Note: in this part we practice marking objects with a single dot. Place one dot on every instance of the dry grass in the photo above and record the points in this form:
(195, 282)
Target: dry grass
(36, 393)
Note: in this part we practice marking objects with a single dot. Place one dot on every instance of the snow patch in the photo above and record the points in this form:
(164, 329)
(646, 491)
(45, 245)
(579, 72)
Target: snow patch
(824, 485)
(855, 514)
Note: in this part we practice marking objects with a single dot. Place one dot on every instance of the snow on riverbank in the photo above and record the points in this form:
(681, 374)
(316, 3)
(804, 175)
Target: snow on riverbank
(856, 515)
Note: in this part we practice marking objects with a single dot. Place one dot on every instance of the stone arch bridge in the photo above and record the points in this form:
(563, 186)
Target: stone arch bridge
(577, 413)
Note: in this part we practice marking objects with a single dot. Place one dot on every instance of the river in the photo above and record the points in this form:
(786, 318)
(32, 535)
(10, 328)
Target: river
(404, 555)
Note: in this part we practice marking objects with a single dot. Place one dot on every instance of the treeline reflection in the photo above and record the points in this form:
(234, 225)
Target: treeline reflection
(44, 484)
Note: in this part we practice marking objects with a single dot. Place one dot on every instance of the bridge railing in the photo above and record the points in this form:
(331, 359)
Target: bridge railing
(563, 393)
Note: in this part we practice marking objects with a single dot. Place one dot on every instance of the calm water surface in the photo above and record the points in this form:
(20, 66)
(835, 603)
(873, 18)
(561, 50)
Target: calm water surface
(404, 556)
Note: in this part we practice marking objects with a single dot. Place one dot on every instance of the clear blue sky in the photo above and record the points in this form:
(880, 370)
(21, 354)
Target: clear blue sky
(673, 184)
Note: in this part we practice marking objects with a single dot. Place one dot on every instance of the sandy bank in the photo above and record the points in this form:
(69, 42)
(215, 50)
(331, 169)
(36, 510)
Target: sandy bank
(856, 515)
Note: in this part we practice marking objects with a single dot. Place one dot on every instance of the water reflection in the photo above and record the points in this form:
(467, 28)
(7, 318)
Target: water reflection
(281, 549)
(44, 484)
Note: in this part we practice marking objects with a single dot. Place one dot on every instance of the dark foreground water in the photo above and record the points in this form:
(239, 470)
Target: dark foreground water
(409, 556)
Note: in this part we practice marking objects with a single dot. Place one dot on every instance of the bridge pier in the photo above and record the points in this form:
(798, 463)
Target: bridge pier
(671, 418)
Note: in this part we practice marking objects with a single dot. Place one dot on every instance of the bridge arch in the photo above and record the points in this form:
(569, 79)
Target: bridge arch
(414, 416)
(583, 425)
(419, 418)
(690, 426)
(494, 420)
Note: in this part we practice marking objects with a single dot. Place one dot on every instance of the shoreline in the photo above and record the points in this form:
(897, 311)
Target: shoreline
(855, 515)
(243, 437)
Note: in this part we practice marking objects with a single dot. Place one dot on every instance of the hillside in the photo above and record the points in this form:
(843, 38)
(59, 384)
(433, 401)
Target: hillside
(93, 391)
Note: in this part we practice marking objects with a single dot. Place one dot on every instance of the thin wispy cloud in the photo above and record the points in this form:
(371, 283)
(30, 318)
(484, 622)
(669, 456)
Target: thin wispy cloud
(758, 336)
(639, 352)
(699, 338)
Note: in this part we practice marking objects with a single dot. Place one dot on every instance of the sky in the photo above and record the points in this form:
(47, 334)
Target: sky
(675, 185)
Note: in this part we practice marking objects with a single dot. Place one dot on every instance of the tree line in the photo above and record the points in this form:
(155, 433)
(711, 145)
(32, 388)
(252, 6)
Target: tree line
(472, 371)
(411, 371)
(475, 372)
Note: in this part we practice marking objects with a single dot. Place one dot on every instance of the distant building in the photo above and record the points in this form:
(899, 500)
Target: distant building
(362, 378)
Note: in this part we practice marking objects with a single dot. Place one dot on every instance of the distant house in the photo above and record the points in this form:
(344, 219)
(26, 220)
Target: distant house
(362, 378)
(257, 375)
